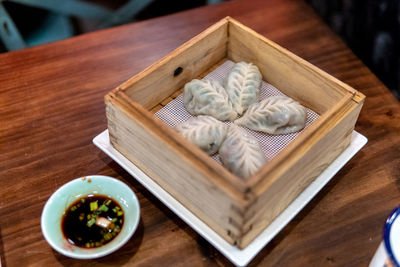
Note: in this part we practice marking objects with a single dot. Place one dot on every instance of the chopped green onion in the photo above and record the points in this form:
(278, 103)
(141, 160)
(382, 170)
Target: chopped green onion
(82, 200)
(108, 236)
(114, 220)
(116, 209)
(82, 216)
(103, 208)
(89, 216)
(93, 206)
(91, 222)
(119, 213)
(107, 202)
(87, 245)
(73, 208)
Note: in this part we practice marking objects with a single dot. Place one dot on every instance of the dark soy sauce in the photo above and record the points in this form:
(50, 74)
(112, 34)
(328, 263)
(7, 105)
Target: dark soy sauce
(92, 221)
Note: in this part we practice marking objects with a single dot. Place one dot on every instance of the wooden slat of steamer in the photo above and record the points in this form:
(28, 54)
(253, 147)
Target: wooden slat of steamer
(178, 166)
(273, 198)
(158, 81)
(293, 75)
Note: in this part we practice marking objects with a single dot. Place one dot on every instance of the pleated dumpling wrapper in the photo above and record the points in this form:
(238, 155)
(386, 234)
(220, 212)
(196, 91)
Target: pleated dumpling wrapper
(241, 153)
(206, 132)
(243, 86)
(208, 97)
(275, 115)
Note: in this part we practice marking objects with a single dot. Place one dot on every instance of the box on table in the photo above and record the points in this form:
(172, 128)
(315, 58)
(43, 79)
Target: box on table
(238, 210)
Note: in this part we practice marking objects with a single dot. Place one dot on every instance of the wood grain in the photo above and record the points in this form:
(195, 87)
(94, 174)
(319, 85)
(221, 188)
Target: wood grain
(51, 106)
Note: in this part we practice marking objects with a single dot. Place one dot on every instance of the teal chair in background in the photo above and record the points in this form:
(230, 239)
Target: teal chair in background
(57, 24)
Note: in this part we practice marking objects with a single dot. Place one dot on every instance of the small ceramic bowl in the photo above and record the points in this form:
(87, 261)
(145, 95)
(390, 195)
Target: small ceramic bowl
(76, 189)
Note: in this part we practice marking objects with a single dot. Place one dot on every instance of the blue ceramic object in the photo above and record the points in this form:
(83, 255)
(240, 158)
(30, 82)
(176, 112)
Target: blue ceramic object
(391, 236)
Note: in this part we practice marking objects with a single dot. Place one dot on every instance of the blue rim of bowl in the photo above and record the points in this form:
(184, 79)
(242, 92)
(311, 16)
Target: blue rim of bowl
(92, 255)
(386, 234)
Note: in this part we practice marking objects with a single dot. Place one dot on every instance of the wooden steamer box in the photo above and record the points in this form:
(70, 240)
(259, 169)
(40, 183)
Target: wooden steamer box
(238, 210)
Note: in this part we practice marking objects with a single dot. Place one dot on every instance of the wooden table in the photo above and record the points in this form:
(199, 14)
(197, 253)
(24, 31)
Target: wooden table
(51, 106)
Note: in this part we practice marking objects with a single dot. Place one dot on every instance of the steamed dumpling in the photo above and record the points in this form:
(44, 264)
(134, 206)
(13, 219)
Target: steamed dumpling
(208, 97)
(243, 86)
(275, 115)
(241, 153)
(204, 131)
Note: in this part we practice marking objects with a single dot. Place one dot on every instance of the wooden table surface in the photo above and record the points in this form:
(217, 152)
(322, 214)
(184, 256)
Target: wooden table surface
(51, 106)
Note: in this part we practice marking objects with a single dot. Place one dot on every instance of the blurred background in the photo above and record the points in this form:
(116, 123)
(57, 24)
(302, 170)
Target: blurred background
(371, 28)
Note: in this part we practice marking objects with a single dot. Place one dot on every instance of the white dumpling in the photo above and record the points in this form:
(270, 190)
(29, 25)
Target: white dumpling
(206, 132)
(208, 97)
(275, 115)
(243, 86)
(241, 153)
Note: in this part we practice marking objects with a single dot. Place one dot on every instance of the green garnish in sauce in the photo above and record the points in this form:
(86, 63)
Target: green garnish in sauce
(92, 221)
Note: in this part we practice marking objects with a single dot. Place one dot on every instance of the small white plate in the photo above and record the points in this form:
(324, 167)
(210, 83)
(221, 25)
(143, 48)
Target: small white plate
(76, 189)
(233, 253)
